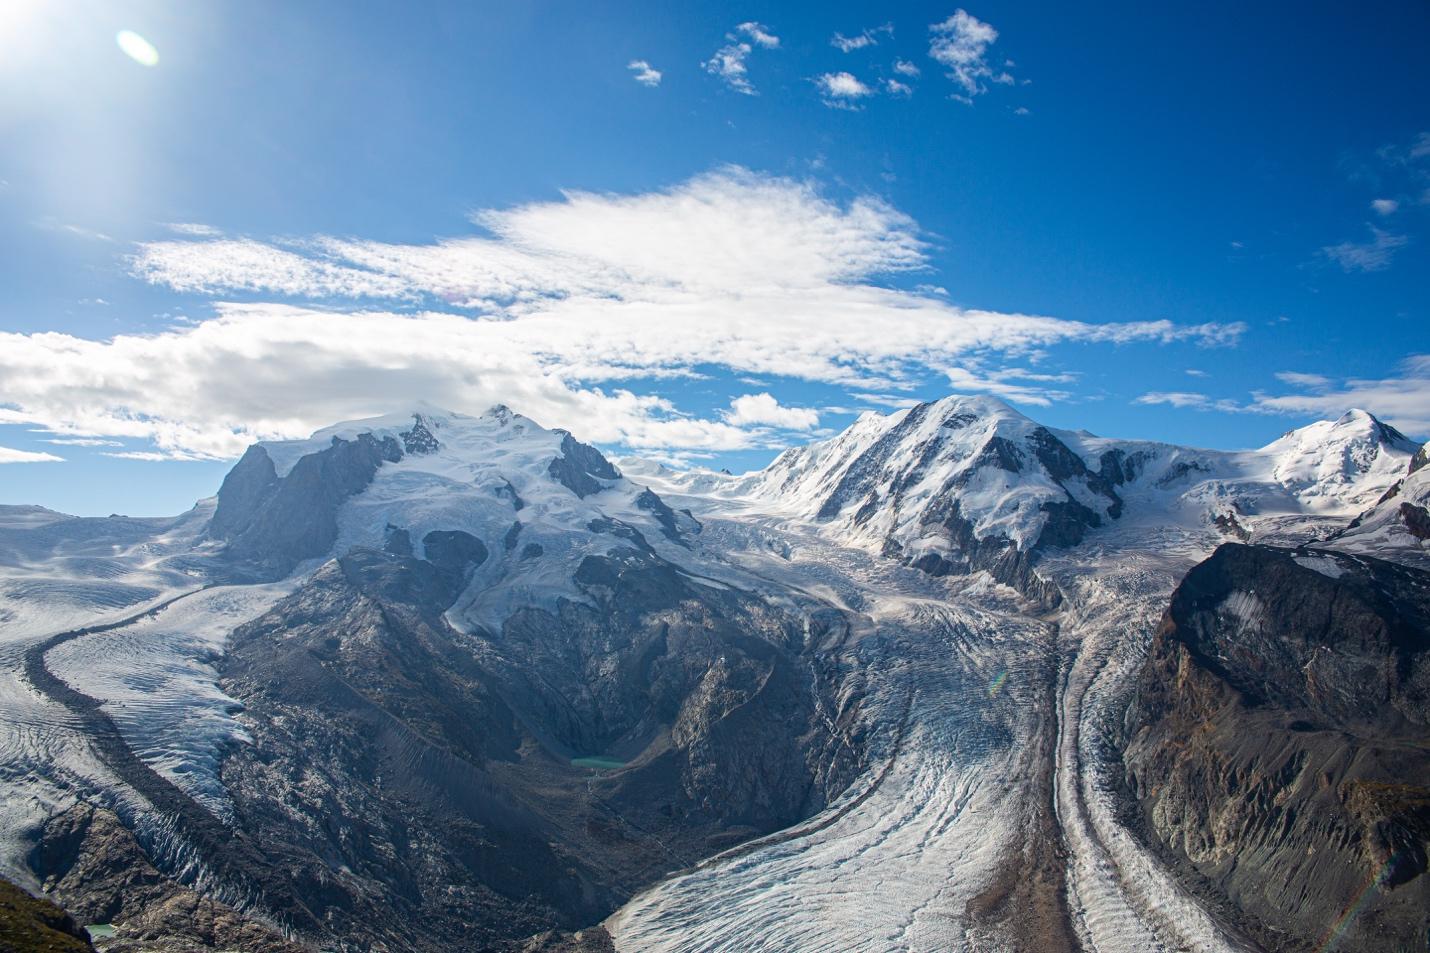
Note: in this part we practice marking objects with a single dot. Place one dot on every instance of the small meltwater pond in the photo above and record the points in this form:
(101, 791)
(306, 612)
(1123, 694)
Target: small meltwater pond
(598, 762)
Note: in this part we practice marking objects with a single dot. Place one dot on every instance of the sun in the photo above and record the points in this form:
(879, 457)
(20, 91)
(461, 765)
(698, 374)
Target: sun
(137, 48)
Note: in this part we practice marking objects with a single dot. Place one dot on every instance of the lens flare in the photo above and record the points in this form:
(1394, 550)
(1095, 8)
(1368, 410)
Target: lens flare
(137, 48)
(996, 686)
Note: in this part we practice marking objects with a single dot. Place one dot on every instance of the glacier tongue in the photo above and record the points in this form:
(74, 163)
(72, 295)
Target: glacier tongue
(957, 685)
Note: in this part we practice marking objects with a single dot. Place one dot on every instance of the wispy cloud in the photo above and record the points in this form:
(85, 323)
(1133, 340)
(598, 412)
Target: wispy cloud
(569, 310)
(905, 68)
(83, 442)
(645, 74)
(730, 62)
(960, 44)
(842, 90)
(1402, 400)
(1014, 383)
(895, 88)
(193, 229)
(1187, 399)
(757, 409)
(9, 455)
(892, 401)
(760, 34)
(1374, 255)
(861, 40)
(1298, 379)
(1384, 207)
(73, 230)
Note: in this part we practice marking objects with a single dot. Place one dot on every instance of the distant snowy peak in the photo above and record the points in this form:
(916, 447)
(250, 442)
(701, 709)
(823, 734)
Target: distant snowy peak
(1350, 460)
(969, 483)
(408, 481)
(961, 484)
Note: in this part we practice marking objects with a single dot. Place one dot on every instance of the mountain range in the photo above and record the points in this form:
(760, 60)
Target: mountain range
(951, 679)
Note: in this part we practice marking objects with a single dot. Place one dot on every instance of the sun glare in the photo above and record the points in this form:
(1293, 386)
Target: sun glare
(137, 48)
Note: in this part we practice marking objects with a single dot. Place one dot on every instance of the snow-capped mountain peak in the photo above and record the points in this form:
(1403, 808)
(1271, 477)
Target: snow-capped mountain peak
(500, 488)
(1350, 460)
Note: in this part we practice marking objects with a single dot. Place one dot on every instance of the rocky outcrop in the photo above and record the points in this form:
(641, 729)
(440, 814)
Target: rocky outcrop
(417, 783)
(272, 523)
(34, 925)
(88, 860)
(580, 467)
(1277, 748)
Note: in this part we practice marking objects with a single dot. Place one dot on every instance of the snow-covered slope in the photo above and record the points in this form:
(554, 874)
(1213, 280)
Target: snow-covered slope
(1397, 527)
(1339, 464)
(969, 483)
(525, 503)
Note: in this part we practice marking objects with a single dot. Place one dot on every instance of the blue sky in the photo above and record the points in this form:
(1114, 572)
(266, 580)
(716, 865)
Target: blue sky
(1202, 223)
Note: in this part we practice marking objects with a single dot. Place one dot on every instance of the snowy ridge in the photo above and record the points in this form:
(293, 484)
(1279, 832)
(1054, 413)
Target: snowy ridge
(1397, 527)
(537, 500)
(1335, 464)
(909, 481)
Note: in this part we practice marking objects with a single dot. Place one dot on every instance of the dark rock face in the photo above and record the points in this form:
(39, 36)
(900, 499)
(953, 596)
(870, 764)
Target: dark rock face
(580, 467)
(416, 782)
(419, 439)
(1421, 458)
(1000, 557)
(1417, 520)
(669, 521)
(1277, 748)
(88, 860)
(455, 554)
(32, 925)
(272, 523)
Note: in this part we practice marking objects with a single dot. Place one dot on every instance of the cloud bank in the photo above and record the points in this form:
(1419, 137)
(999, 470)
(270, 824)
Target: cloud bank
(570, 310)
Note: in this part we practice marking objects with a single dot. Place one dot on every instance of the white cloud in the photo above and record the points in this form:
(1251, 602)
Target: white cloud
(83, 442)
(1384, 206)
(1298, 379)
(1402, 401)
(645, 74)
(848, 44)
(749, 409)
(895, 88)
(728, 63)
(1194, 372)
(841, 89)
(76, 231)
(1184, 399)
(961, 44)
(9, 455)
(193, 229)
(562, 310)
(905, 68)
(866, 38)
(1013, 383)
(892, 401)
(760, 34)
(1021, 111)
(1374, 255)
